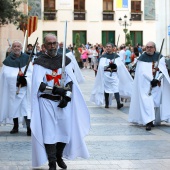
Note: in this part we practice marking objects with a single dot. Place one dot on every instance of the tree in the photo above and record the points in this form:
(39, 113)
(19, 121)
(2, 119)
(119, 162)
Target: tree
(9, 12)
(128, 40)
(77, 45)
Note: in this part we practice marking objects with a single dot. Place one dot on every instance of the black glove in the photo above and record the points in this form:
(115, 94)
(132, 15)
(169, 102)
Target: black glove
(112, 66)
(64, 101)
(59, 91)
(21, 80)
(154, 82)
(42, 87)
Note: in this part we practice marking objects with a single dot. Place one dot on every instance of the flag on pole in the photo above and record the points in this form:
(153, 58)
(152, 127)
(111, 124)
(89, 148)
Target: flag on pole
(32, 24)
(122, 3)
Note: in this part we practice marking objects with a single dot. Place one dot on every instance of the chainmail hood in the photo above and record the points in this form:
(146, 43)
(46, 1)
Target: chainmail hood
(149, 58)
(51, 62)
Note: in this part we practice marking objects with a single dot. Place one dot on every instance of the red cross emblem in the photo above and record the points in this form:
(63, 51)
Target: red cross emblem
(54, 77)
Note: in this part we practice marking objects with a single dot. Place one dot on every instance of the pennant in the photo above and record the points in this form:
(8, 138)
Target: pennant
(32, 24)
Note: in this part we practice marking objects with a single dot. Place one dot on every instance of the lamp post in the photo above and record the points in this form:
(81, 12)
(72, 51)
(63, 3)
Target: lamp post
(125, 24)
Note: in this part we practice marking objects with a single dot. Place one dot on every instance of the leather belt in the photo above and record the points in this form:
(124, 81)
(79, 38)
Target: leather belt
(111, 71)
(50, 97)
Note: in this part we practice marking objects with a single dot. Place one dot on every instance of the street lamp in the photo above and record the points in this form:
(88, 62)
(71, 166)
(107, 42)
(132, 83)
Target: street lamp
(125, 24)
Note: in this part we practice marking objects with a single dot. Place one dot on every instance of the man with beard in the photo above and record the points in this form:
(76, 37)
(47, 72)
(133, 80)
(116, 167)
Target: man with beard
(13, 105)
(148, 95)
(58, 122)
(112, 78)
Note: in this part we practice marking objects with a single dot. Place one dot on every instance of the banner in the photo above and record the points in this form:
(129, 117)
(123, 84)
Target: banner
(32, 24)
(149, 10)
(34, 8)
(122, 3)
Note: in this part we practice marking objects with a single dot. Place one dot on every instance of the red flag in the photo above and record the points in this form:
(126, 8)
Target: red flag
(32, 24)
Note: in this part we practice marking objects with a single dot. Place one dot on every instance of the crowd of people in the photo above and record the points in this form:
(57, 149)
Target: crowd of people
(45, 94)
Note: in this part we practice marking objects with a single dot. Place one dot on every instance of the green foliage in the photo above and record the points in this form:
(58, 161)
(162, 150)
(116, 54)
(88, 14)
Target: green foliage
(128, 40)
(9, 12)
(77, 45)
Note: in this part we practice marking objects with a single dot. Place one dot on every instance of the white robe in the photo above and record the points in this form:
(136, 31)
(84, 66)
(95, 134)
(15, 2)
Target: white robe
(79, 123)
(76, 68)
(11, 104)
(142, 105)
(123, 82)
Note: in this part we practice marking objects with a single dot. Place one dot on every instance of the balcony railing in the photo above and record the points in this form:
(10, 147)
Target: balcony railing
(79, 14)
(50, 15)
(108, 15)
(136, 17)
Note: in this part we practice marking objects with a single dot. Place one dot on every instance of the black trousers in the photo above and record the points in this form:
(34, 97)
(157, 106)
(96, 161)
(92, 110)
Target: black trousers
(16, 124)
(117, 97)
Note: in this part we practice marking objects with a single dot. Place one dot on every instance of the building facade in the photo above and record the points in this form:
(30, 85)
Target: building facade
(99, 21)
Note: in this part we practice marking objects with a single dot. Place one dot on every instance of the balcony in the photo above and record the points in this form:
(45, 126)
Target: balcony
(79, 14)
(50, 15)
(136, 15)
(108, 15)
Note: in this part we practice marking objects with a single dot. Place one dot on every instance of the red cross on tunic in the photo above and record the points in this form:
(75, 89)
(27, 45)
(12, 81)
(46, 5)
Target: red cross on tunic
(54, 77)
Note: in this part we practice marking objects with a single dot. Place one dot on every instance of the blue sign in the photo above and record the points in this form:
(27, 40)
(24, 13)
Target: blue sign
(169, 30)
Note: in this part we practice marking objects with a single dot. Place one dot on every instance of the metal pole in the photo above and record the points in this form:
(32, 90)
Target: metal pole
(64, 56)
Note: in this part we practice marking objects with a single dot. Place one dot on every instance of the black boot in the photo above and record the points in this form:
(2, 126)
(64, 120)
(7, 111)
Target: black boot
(59, 153)
(117, 97)
(148, 126)
(52, 166)
(15, 128)
(27, 121)
(106, 95)
(51, 154)
(28, 131)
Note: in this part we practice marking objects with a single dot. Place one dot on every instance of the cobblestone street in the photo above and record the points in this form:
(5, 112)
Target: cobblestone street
(113, 143)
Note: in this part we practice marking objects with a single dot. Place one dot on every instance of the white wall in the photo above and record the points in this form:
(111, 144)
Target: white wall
(162, 22)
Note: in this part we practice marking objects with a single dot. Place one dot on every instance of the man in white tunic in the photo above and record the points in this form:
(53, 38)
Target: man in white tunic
(112, 78)
(149, 89)
(60, 118)
(15, 106)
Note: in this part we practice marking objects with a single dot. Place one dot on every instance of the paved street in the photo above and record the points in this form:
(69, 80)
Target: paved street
(113, 143)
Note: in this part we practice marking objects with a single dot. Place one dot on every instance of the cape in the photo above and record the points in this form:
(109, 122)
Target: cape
(110, 56)
(142, 105)
(125, 81)
(76, 68)
(12, 105)
(149, 58)
(51, 62)
(16, 62)
(80, 121)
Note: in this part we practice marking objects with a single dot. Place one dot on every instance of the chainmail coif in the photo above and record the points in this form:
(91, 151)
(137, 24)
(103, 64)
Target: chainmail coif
(51, 62)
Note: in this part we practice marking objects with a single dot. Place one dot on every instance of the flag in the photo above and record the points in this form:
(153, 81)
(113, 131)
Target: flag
(32, 24)
(122, 3)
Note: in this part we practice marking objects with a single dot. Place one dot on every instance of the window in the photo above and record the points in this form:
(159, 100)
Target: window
(49, 10)
(136, 37)
(79, 5)
(79, 10)
(82, 37)
(46, 32)
(107, 5)
(108, 36)
(49, 5)
(135, 6)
